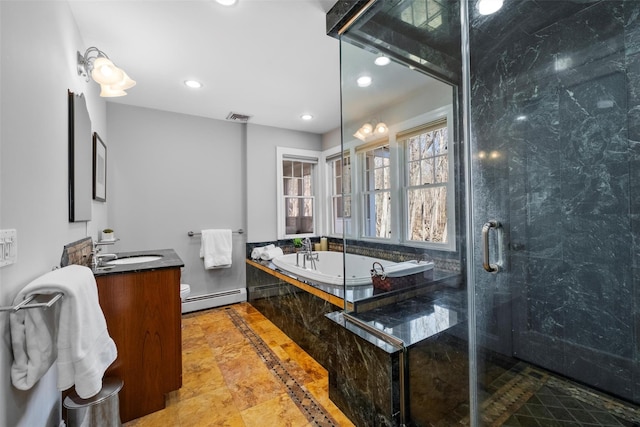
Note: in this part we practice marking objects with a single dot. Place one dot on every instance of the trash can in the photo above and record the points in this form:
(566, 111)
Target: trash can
(101, 410)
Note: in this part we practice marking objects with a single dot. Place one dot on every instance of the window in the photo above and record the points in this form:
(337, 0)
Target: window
(340, 194)
(297, 190)
(427, 189)
(376, 192)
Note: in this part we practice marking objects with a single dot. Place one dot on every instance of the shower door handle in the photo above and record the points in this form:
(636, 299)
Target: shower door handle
(486, 264)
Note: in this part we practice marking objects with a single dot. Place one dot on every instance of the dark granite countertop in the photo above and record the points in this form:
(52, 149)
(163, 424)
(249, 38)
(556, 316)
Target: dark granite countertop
(170, 259)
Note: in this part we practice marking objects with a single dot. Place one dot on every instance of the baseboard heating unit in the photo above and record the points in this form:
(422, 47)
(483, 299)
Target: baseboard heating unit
(217, 299)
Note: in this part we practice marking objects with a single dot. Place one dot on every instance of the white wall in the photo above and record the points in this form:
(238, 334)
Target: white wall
(261, 175)
(173, 173)
(39, 40)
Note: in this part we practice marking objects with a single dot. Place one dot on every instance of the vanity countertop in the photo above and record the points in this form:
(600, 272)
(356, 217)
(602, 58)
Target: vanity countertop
(170, 259)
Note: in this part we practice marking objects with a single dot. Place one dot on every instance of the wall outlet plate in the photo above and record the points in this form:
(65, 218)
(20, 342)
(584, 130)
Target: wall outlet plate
(8, 247)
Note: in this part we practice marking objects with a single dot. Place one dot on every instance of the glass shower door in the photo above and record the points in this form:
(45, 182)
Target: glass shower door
(552, 108)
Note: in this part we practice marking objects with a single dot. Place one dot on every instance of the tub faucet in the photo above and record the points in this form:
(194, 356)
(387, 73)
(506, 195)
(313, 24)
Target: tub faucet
(308, 254)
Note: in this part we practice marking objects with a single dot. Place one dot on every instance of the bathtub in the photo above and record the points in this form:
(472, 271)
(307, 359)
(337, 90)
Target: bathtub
(329, 270)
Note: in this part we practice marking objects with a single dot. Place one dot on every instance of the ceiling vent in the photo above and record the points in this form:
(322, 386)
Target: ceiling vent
(236, 117)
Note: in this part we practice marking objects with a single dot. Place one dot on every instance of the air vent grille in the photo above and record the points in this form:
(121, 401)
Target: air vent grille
(236, 117)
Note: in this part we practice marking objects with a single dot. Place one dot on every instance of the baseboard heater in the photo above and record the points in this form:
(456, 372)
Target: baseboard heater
(217, 299)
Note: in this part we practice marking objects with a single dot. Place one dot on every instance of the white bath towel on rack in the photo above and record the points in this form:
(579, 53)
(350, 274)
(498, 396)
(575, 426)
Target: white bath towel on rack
(216, 248)
(84, 348)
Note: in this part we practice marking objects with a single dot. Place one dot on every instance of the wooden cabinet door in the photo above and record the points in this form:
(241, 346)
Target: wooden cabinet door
(143, 316)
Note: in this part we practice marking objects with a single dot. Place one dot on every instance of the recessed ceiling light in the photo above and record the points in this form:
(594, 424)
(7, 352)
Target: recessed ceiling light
(382, 60)
(364, 81)
(227, 2)
(193, 84)
(306, 117)
(487, 7)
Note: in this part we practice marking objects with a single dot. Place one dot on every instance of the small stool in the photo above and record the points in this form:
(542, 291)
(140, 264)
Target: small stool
(101, 410)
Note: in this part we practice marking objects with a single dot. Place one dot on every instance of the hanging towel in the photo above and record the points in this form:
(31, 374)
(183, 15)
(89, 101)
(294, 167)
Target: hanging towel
(80, 337)
(216, 248)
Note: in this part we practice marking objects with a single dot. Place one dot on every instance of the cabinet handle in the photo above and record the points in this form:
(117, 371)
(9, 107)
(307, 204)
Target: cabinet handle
(486, 264)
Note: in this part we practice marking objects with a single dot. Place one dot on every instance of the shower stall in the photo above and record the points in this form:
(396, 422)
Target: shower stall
(529, 193)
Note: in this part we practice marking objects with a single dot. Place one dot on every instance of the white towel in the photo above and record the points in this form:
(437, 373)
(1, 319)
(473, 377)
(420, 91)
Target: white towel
(84, 348)
(257, 252)
(271, 254)
(216, 248)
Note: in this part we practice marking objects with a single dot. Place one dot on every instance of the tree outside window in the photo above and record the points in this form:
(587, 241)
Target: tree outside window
(427, 178)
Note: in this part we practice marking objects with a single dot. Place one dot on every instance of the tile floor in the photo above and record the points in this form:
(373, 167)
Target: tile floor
(240, 370)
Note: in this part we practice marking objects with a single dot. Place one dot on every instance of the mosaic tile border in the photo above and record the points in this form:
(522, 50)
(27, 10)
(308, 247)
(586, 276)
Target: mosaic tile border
(312, 410)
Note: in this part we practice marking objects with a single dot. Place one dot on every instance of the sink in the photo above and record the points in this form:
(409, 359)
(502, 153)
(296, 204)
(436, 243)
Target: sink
(134, 259)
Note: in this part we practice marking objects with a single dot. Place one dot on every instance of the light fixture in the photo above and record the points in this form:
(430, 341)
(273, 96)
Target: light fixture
(226, 2)
(364, 81)
(382, 60)
(113, 81)
(306, 117)
(487, 7)
(193, 84)
(367, 130)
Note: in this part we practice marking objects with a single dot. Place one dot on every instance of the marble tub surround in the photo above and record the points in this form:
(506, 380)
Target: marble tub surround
(297, 312)
(169, 259)
(364, 370)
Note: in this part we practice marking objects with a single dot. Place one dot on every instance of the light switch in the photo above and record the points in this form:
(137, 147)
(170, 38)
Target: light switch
(8, 247)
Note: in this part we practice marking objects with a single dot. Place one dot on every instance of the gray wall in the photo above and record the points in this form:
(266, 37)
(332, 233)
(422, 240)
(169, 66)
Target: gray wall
(173, 173)
(261, 175)
(33, 170)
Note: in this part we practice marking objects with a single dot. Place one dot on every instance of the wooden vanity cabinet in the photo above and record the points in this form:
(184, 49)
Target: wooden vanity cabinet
(143, 313)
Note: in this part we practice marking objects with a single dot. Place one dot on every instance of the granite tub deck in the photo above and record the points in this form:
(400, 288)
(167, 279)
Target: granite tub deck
(365, 372)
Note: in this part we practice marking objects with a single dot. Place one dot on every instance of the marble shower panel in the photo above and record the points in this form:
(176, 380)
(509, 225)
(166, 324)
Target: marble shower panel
(556, 98)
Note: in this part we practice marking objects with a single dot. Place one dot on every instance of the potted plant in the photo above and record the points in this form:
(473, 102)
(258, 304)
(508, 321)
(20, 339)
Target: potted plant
(297, 243)
(107, 234)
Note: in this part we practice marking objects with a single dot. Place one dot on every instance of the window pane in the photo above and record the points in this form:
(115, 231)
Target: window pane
(428, 214)
(441, 141)
(290, 188)
(442, 168)
(413, 148)
(287, 168)
(299, 215)
(306, 186)
(427, 171)
(414, 173)
(377, 215)
(297, 169)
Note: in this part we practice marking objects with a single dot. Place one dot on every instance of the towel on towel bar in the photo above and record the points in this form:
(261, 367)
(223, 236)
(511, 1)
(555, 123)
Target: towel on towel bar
(79, 338)
(216, 248)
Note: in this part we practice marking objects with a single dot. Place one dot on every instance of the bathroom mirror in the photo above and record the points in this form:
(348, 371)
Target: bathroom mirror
(80, 159)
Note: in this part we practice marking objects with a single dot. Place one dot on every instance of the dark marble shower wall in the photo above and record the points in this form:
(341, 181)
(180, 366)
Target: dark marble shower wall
(555, 108)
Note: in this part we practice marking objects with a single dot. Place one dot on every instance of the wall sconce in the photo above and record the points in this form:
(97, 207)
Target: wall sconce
(367, 130)
(113, 81)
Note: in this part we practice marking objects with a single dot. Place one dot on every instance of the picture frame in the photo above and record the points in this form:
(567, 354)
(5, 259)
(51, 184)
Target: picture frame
(99, 169)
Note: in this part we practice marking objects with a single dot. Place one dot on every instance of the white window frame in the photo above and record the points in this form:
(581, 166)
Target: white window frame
(328, 157)
(308, 156)
(359, 197)
(434, 116)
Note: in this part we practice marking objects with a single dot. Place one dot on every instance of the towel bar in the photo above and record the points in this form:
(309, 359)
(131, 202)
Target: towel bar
(25, 304)
(192, 233)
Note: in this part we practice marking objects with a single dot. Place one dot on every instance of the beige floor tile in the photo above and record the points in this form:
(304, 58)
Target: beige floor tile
(226, 383)
(277, 412)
